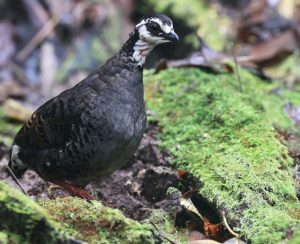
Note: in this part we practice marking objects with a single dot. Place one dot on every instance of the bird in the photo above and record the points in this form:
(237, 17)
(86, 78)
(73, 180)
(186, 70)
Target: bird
(90, 130)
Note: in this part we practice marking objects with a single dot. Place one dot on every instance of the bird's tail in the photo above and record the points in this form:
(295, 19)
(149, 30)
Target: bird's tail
(18, 172)
(17, 166)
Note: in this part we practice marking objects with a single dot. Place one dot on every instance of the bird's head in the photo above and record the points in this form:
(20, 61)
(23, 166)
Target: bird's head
(156, 29)
(149, 32)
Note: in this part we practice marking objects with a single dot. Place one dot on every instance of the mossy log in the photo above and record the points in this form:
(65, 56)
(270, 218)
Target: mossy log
(94, 223)
(23, 221)
(225, 137)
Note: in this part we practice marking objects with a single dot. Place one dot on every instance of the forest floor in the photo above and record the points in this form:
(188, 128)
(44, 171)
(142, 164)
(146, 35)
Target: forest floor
(136, 189)
(38, 63)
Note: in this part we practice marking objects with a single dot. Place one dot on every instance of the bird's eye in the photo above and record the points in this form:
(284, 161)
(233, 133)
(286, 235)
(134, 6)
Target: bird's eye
(154, 26)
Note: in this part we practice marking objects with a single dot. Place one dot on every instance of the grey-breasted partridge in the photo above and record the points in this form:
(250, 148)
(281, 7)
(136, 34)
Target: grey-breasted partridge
(94, 128)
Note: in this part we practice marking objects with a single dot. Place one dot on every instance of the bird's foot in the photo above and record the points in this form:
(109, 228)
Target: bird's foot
(75, 191)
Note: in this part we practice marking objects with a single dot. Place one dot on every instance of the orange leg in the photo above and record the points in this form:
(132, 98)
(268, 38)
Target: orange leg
(74, 191)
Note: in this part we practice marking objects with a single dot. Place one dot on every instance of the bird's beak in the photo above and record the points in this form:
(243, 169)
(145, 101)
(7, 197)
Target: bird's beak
(172, 36)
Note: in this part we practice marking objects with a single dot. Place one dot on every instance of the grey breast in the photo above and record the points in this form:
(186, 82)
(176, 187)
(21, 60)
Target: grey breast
(118, 122)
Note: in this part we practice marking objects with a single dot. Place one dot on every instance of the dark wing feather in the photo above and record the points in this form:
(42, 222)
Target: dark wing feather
(50, 125)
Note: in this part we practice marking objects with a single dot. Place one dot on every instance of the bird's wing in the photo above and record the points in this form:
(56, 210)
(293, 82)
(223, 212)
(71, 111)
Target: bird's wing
(50, 126)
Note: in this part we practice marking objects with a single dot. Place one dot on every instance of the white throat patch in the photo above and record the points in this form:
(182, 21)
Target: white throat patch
(141, 50)
(147, 42)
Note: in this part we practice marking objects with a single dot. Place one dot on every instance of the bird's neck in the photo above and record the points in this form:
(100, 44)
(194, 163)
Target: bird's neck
(136, 49)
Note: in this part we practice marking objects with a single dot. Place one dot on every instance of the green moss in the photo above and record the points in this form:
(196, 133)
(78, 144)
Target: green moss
(296, 237)
(8, 237)
(226, 138)
(165, 224)
(23, 221)
(3, 237)
(95, 223)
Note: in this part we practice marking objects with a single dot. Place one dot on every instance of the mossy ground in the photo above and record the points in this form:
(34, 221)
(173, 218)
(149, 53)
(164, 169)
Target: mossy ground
(226, 138)
(23, 221)
(164, 222)
(95, 223)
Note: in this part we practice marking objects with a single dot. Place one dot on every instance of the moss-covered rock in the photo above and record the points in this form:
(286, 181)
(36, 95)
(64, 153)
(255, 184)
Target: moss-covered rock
(95, 223)
(23, 221)
(226, 139)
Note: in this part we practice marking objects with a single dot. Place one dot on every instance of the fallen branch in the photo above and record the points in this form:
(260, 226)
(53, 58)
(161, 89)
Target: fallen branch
(237, 72)
(38, 38)
(229, 228)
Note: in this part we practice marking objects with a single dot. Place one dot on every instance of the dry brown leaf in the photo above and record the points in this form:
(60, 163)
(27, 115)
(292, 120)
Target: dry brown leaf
(212, 230)
(189, 205)
(274, 49)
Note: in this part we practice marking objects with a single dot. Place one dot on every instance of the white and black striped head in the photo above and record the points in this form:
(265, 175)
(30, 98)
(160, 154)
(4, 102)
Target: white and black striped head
(156, 29)
(149, 32)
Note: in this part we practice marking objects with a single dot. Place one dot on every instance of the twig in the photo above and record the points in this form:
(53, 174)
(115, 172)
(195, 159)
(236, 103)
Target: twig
(38, 38)
(188, 194)
(201, 48)
(162, 235)
(36, 12)
(236, 67)
(229, 228)
(16, 180)
(18, 71)
(237, 71)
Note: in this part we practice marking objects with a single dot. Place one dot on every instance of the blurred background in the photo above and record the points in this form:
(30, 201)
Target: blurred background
(47, 46)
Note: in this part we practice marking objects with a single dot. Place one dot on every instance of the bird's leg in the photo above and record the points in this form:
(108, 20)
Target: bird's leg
(74, 191)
